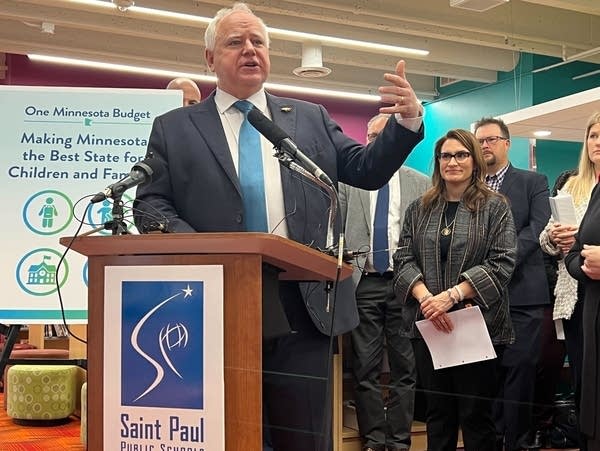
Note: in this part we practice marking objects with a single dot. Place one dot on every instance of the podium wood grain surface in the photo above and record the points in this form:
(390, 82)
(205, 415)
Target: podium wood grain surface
(242, 256)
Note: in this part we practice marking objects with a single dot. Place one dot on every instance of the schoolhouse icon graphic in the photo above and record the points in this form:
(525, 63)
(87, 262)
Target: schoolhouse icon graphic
(37, 271)
(162, 344)
(42, 273)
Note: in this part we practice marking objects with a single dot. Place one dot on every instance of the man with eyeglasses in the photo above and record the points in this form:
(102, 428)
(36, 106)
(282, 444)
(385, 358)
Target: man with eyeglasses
(528, 195)
(383, 425)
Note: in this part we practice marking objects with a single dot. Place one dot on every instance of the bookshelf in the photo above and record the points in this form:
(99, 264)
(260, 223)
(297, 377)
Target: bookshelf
(46, 336)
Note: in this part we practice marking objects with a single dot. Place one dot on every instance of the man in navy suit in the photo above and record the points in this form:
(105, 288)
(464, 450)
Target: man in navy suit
(200, 191)
(528, 195)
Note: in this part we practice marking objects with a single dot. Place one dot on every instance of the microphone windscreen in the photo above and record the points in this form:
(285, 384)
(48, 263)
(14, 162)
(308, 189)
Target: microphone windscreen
(266, 127)
(149, 166)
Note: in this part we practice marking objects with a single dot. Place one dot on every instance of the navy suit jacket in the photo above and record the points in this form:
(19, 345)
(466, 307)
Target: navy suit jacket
(199, 190)
(528, 194)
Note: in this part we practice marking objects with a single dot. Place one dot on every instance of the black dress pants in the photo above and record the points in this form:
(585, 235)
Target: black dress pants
(517, 371)
(573, 328)
(297, 408)
(382, 425)
(460, 396)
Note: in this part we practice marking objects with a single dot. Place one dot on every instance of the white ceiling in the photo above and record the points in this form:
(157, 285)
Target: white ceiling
(462, 44)
(565, 117)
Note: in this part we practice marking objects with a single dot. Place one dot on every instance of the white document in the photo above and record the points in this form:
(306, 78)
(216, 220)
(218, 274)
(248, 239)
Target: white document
(563, 208)
(560, 331)
(469, 341)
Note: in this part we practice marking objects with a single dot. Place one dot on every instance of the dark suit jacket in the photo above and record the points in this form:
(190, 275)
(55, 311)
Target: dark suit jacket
(589, 233)
(527, 193)
(199, 189)
(355, 206)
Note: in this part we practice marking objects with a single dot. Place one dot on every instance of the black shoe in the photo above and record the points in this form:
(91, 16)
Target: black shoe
(535, 440)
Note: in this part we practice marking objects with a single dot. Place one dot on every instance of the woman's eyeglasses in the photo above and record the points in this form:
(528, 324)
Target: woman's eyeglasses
(460, 156)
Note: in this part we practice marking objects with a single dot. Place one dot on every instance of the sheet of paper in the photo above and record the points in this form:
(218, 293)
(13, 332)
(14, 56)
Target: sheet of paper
(563, 208)
(469, 341)
(560, 331)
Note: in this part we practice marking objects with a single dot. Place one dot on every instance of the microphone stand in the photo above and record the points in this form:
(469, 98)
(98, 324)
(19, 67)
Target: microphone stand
(289, 163)
(116, 225)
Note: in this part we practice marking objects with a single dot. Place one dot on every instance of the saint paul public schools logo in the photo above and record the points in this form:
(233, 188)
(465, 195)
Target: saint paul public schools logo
(162, 360)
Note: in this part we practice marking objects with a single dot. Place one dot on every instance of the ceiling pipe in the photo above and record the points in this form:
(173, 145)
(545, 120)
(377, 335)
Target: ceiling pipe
(587, 74)
(567, 60)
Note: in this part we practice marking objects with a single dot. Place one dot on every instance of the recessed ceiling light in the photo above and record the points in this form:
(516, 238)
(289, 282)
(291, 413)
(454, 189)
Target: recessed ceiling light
(542, 133)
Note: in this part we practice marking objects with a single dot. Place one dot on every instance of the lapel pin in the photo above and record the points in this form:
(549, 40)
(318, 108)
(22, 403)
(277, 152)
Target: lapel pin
(286, 109)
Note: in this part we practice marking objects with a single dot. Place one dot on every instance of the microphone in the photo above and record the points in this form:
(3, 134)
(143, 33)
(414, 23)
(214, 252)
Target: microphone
(347, 254)
(282, 141)
(140, 173)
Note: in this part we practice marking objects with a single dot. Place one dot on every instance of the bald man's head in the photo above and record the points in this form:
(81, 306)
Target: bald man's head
(191, 92)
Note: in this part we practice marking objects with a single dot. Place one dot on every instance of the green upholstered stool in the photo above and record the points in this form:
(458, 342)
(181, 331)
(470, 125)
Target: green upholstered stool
(41, 392)
(83, 430)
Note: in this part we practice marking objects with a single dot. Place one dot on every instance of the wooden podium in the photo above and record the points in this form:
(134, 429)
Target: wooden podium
(242, 256)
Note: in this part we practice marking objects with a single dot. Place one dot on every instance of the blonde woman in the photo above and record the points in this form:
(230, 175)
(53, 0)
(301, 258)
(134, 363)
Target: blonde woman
(557, 239)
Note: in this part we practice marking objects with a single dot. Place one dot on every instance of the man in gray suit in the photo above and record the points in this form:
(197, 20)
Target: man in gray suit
(380, 428)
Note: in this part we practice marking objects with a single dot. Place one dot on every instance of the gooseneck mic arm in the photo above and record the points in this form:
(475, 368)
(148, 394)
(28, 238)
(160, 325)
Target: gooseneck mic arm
(284, 143)
(289, 155)
(288, 162)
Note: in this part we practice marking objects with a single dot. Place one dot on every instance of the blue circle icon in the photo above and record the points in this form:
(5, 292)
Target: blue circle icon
(48, 212)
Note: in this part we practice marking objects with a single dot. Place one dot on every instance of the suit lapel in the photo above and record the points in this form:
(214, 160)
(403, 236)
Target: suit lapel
(284, 115)
(365, 202)
(205, 118)
(507, 183)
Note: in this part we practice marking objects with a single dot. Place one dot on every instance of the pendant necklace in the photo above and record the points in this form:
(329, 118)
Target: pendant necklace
(447, 230)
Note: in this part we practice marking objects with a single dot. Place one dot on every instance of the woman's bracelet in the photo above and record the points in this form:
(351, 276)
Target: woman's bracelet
(425, 297)
(452, 298)
(461, 295)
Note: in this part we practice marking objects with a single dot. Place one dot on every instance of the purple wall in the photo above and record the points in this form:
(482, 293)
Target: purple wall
(352, 116)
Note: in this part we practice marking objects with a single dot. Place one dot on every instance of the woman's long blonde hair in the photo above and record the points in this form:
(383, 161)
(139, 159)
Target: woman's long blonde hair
(581, 184)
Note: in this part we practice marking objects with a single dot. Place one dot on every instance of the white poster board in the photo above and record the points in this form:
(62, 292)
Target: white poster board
(59, 145)
(163, 358)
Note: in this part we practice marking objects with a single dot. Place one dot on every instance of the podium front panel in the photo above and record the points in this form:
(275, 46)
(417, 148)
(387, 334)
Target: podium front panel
(242, 341)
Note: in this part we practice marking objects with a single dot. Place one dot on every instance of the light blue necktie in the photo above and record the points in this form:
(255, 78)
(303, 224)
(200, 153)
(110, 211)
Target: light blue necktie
(381, 258)
(250, 169)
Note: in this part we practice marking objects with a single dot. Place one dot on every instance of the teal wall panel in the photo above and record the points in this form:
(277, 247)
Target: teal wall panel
(462, 103)
(461, 110)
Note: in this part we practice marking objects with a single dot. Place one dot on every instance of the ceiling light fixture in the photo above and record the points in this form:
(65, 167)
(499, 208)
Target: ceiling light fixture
(290, 35)
(477, 5)
(47, 27)
(312, 62)
(123, 5)
(542, 133)
(206, 78)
